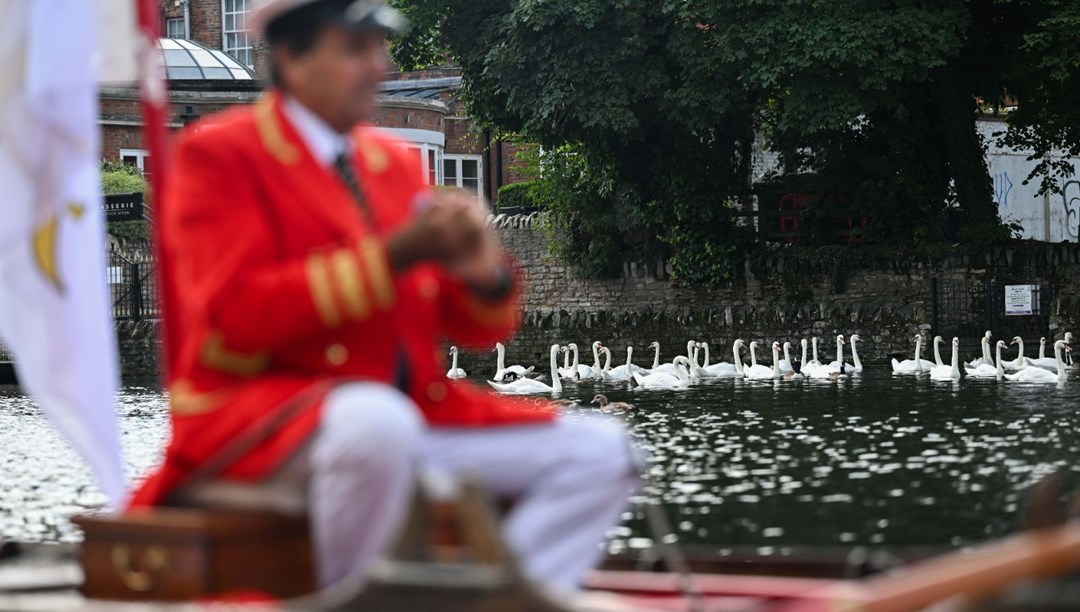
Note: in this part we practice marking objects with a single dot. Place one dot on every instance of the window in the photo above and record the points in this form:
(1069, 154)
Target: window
(135, 157)
(237, 41)
(428, 157)
(174, 28)
(462, 171)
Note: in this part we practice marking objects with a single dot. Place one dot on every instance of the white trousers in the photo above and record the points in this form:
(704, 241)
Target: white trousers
(570, 480)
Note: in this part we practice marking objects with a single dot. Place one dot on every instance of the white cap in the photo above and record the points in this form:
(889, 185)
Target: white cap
(357, 13)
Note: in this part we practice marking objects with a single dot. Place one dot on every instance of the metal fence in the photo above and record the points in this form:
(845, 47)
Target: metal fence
(966, 308)
(133, 286)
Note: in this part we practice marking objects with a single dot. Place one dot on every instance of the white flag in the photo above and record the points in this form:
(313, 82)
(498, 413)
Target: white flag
(54, 310)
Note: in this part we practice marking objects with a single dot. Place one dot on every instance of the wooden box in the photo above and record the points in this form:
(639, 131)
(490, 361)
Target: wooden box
(173, 554)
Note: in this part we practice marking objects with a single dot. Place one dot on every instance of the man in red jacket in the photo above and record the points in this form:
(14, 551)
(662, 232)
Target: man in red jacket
(310, 277)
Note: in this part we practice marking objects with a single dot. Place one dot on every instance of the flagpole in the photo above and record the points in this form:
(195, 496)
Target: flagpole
(154, 102)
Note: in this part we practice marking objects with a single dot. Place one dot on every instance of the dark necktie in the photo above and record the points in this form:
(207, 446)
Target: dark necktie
(343, 166)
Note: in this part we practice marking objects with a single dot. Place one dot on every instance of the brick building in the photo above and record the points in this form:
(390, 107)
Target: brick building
(213, 63)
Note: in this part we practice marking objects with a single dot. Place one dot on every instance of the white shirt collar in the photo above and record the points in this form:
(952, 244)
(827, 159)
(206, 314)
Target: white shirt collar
(322, 140)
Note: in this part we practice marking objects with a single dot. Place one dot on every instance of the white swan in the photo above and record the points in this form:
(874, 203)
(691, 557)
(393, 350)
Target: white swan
(984, 359)
(577, 371)
(987, 371)
(785, 364)
(1042, 361)
(937, 353)
(1019, 363)
(720, 369)
(1039, 375)
(791, 374)
(855, 353)
(1068, 349)
(566, 371)
(760, 372)
(501, 370)
(911, 366)
(657, 367)
(838, 364)
(814, 363)
(806, 368)
(696, 371)
(530, 386)
(596, 371)
(625, 372)
(948, 372)
(454, 371)
(660, 380)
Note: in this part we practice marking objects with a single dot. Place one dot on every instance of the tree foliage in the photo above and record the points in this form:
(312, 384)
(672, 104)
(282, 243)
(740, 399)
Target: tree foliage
(650, 108)
(117, 178)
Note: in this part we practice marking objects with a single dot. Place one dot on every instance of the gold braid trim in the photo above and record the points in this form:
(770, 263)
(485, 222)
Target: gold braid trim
(378, 269)
(214, 355)
(270, 132)
(346, 272)
(322, 292)
(185, 401)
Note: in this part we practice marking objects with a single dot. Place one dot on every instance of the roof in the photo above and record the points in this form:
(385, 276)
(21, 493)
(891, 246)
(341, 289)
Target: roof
(191, 65)
(421, 89)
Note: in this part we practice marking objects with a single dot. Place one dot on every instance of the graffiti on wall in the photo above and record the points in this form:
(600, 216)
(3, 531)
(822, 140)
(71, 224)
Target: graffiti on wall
(1002, 187)
(1070, 198)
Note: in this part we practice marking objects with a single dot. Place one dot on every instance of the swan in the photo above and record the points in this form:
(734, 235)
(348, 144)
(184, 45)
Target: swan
(566, 371)
(625, 372)
(791, 374)
(985, 359)
(948, 372)
(501, 370)
(910, 366)
(937, 353)
(602, 400)
(839, 365)
(696, 371)
(577, 370)
(1039, 375)
(528, 385)
(855, 353)
(604, 373)
(806, 367)
(785, 364)
(1068, 349)
(657, 367)
(660, 380)
(814, 363)
(596, 371)
(454, 371)
(1042, 361)
(1019, 363)
(760, 372)
(718, 370)
(987, 371)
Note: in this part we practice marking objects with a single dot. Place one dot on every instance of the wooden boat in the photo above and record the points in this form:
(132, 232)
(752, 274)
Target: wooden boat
(466, 567)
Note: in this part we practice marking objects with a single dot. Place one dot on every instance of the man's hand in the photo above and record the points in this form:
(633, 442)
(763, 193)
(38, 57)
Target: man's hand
(451, 231)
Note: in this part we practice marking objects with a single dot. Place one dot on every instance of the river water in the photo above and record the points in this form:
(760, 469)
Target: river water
(876, 459)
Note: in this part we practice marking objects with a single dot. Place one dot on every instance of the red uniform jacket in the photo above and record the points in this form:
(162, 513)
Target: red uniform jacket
(280, 286)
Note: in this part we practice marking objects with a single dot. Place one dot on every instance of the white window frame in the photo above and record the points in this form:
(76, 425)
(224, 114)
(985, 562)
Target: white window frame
(239, 33)
(140, 155)
(174, 21)
(423, 141)
(457, 158)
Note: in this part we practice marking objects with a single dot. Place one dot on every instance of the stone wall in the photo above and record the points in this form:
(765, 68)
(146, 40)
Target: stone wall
(886, 304)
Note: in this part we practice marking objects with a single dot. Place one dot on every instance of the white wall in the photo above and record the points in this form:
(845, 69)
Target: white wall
(1050, 218)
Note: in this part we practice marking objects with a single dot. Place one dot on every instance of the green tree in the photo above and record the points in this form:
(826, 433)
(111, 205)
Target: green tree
(660, 101)
(117, 178)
